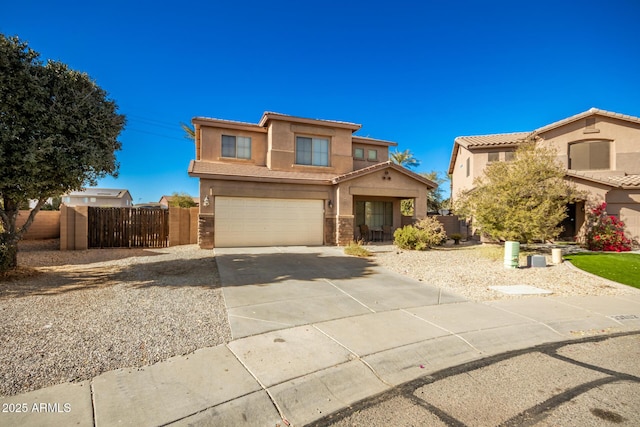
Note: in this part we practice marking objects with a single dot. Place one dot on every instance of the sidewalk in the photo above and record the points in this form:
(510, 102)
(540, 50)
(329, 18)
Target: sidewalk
(306, 372)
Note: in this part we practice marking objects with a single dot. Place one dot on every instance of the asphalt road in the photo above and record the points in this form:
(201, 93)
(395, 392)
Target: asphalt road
(589, 382)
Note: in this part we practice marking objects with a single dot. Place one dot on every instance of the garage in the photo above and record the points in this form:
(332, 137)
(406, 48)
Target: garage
(244, 221)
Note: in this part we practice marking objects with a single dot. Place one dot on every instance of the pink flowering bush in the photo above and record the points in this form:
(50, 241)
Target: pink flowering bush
(604, 232)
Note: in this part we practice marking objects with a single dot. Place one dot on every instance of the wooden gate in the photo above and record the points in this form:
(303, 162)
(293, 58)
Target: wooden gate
(128, 228)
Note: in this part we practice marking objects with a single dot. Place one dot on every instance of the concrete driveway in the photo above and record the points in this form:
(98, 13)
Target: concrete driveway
(273, 288)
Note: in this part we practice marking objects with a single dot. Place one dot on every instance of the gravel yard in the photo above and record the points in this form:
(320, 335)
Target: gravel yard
(72, 315)
(463, 270)
(89, 312)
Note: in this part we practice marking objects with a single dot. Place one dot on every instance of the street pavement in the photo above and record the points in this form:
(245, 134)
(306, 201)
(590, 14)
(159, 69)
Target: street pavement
(324, 339)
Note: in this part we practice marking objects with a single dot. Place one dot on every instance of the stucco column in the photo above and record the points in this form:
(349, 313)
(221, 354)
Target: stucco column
(206, 219)
(420, 207)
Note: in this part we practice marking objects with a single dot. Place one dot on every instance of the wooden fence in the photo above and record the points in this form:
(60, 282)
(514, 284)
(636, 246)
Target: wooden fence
(127, 228)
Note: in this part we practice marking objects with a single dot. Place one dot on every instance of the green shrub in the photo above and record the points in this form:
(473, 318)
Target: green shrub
(427, 233)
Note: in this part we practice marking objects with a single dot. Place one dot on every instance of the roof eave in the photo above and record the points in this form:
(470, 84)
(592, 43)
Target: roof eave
(373, 141)
(381, 166)
(227, 124)
(267, 116)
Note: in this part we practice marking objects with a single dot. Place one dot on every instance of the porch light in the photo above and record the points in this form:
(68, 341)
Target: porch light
(205, 202)
(330, 204)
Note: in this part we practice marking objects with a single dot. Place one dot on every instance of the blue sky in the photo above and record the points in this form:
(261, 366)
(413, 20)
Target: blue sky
(416, 72)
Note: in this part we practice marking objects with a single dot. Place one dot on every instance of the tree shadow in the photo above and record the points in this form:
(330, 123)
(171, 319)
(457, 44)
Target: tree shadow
(262, 269)
(177, 273)
(204, 272)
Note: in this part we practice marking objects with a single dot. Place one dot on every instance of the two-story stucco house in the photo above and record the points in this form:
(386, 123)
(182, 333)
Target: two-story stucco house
(599, 149)
(296, 181)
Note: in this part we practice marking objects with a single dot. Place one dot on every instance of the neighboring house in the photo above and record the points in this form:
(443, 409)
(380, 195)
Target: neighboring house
(599, 149)
(295, 181)
(99, 197)
(166, 200)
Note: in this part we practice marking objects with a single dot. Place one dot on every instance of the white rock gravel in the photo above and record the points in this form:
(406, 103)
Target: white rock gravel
(465, 271)
(93, 311)
(89, 312)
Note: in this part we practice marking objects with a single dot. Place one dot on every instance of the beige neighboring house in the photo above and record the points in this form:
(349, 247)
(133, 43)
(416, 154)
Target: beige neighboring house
(295, 181)
(166, 200)
(99, 197)
(599, 149)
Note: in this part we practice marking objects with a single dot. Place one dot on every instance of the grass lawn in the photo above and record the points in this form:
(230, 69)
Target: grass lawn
(621, 268)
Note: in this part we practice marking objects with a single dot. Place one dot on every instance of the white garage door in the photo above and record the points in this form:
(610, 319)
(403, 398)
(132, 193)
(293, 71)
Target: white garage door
(242, 221)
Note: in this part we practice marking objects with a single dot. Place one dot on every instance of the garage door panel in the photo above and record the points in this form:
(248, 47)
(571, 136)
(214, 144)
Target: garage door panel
(243, 221)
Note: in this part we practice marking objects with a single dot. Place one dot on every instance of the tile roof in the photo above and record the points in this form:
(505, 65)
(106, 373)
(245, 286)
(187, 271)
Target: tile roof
(381, 166)
(492, 140)
(222, 121)
(242, 171)
(517, 137)
(590, 112)
(616, 181)
(268, 115)
(367, 140)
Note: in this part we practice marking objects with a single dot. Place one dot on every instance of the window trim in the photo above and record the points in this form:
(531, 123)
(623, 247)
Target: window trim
(235, 148)
(312, 138)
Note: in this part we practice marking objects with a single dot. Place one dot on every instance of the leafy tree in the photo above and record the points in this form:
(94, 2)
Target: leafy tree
(54, 205)
(182, 200)
(404, 158)
(435, 197)
(406, 207)
(522, 200)
(58, 133)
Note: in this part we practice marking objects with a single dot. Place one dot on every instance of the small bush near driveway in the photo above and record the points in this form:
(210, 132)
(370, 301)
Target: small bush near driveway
(356, 249)
(427, 233)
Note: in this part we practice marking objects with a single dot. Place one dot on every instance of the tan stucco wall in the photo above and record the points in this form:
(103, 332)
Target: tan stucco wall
(212, 144)
(625, 137)
(626, 205)
(460, 181)
(373, 185)
(281, 147)
(383, 155)
(46, 225)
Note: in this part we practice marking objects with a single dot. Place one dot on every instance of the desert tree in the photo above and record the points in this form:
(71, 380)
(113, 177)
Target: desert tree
(522, 200)
(182, 200)
(58, 133)
(435, 197)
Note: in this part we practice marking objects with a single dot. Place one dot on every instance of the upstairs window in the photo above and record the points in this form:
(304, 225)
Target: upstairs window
(468, 166)
(238, 147)
(358, 153)
(494, 157)
(373, 155)
(590, 155)
(312, 151)
(509, 156)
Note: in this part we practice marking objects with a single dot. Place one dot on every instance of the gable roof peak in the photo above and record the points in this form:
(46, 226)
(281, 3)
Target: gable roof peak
(590, 112)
